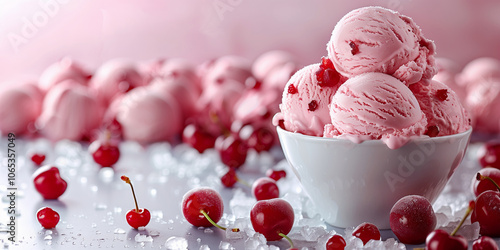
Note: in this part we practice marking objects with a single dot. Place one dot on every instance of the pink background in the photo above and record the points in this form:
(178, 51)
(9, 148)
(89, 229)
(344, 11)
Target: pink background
(95, 31)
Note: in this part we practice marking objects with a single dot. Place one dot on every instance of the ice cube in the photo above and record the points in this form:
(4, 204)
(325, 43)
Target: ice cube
(143, 238)
(223, 245)
(232, 235)
(312, 234)
(176, 243)
(204, 247)
(119, 231)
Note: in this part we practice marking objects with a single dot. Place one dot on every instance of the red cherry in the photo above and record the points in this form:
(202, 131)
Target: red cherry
(202, 200)
(37, 158)
(198, 138)
(366, 232)
(136, 217)
(261, 139)
(336, 242)
(412, 219)
(487, 213)
(48, 182)
(265, 188)
(490, 155)
(441, 240)
(230, 178)
(275, 174)
(272, 218)
(47, 217)
(232, 150)
(484, 243)
(481, 185)
(104, 153)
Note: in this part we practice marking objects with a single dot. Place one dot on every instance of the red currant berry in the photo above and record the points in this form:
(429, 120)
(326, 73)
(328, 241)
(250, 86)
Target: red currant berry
(47, 217)
(272, 218)
(412, 219)
(336, 242)
(37, 158)
(265, 188)
(366, 232)
(230, 178)
(275, 174)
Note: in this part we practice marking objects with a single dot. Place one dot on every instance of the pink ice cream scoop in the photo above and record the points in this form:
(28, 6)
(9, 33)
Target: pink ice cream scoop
(447, 73)
(270, 61)
(478, 71)
(115, 77)
(65, 69)
(182, 89)
(70, 111)
(375, 39)
(375, 106)
(227, 68)
(216, 104)
(146, 116)
(442, 108)
(305, 100)
(483, 102)
(19, 108)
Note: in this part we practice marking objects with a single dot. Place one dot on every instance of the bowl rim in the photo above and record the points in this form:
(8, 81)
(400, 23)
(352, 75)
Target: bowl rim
(373, 141)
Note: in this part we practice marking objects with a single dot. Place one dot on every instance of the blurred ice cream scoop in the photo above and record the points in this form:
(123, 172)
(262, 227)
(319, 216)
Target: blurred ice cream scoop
(146, 116)
(270, 61)
(447, 73)
(20, 106)
(478, 71)
(65, 69)
(70, 111)
(115, 77)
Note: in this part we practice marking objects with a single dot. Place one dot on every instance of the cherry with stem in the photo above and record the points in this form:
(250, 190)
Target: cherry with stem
(138, 217)
(203, 207)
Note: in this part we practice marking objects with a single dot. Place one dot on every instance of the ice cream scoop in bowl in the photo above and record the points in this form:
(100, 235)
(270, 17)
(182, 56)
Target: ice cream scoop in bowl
(351, 183)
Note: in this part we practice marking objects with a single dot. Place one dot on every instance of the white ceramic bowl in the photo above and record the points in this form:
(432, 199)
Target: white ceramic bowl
(354, 183)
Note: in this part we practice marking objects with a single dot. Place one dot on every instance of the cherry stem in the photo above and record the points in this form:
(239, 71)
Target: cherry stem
(215, 119)
(127, 180)
(243, 182)
(472, 204)
(287, 238)
(215, 224)
(481, 177)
